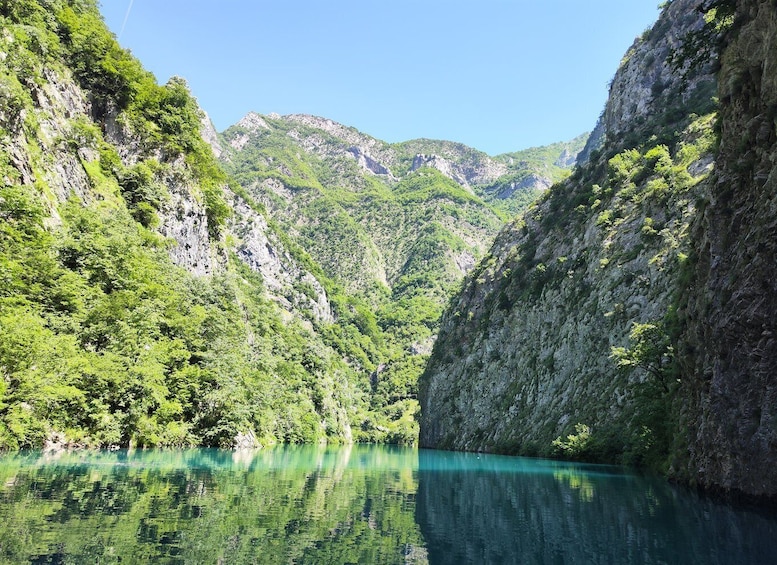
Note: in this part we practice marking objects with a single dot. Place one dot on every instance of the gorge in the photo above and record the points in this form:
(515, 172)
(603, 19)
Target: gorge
(293, 280)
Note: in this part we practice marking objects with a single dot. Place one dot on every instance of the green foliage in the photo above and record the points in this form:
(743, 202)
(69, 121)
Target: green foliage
(575, 446)
(110, 344)
(649, 436)
(650, 351)
(95, 57)
(164, 116)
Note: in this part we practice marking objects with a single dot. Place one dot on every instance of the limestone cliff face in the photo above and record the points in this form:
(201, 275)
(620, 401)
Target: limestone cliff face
(467, 167)
(679, 237)
(646, 87)
(58, 101)
(284, 279)
(730, 348)
(524, 351)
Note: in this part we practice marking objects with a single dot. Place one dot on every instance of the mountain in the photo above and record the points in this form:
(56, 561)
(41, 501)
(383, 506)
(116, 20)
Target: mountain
(291, 161)
(397, 226)
(147, 299)
(629, 315)
(152, 298)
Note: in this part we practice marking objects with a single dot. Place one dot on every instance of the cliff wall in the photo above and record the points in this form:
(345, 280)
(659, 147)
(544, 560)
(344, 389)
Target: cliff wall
(729, 350)
(629, 316)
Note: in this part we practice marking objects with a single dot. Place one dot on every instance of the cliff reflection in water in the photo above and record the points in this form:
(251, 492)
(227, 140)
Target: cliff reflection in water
(306, 504)
(356, 504)
(492, 509)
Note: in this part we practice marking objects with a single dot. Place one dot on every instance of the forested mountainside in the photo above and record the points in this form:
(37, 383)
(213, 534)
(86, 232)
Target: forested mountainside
(372, 213)
(127, 314)
(629, 315)
(150, 298)
(397, 225)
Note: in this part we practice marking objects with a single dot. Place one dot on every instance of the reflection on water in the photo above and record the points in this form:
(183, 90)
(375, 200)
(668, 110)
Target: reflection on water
(356, 504)
(286, 505)
(492, 509)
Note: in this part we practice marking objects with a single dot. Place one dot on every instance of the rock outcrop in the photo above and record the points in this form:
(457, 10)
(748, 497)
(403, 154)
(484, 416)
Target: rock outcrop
(639, 297)
(729, 351)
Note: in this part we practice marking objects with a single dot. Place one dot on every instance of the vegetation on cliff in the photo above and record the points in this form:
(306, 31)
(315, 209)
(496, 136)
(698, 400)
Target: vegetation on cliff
(105, 339)
(562, 341)
(150, 298)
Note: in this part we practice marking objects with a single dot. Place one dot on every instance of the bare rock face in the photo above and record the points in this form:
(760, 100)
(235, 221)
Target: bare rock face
(60, 102)
(457, 162)
(184, 220)
(253, 122)
(285, 281)
(441, 164)
(211, 137)
(524, 351)
(529, 182)
(730, 352)
(367, 162)
(647, 84)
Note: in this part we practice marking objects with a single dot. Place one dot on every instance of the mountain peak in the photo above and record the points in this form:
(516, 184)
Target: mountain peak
(253, 122)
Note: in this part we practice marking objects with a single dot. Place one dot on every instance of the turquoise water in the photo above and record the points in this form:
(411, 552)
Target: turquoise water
(357, 504)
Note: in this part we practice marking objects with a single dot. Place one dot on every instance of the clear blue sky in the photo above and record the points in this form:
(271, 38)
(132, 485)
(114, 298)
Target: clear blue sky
(497, 75)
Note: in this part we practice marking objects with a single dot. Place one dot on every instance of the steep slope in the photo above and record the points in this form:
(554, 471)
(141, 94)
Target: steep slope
(728, 351)
(565, 329)
(147, 299)
(630, 314)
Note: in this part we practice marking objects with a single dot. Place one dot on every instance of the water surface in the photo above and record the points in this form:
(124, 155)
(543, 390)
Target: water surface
(357, 504)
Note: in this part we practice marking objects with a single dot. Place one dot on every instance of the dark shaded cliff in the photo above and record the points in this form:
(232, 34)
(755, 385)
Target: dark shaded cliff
(729, 351)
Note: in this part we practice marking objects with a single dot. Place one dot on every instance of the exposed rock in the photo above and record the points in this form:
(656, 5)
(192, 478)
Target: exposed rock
(529, 182)
(245, 441)
(730, 348)
(442, 165)
(60, 101)
(209, 134)
(566, 159)
(253, 122)
(647, 85)
(286, 282)
(594, 142)
(524, 351)
(456, 161)
(367, 163)
(184, 220)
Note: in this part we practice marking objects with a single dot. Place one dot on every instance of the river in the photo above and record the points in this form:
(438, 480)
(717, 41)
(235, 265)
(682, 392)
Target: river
(358, 504)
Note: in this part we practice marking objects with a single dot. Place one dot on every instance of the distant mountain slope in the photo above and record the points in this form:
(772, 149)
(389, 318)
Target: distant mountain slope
(531, 172)
(396, 225)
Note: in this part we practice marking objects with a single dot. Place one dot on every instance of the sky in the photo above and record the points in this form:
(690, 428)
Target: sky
(497, 75)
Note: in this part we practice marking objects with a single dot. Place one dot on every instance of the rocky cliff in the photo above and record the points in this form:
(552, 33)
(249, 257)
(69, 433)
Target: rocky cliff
(729, 349)
(544, 351)
(629, 316)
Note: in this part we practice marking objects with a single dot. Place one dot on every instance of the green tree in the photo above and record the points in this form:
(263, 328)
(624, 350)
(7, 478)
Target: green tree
(651, 350)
